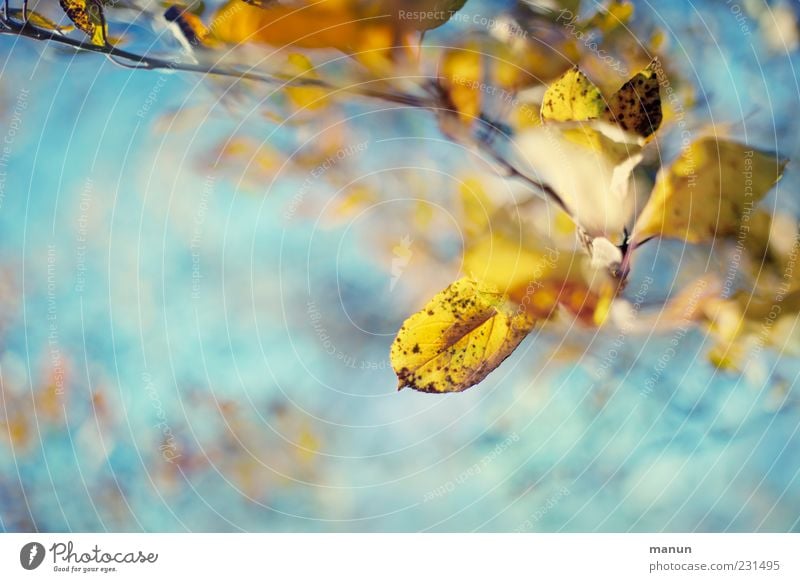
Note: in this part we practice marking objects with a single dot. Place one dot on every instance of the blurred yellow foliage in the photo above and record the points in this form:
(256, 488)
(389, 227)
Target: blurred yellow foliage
(708, 191)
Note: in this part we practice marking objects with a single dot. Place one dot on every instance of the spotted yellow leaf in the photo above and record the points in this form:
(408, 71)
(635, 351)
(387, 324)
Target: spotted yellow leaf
(88, 16)
(572, 97)
(636, 106)
(458, 338)
(708, 191)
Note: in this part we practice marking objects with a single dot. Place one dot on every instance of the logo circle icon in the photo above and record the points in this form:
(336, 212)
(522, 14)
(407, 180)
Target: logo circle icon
(31, 555)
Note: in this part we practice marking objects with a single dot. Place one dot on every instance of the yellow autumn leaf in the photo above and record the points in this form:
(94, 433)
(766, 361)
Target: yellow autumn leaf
(707, 190)
(636, 106)
(88, 16)
(572, 97)
(458, 338)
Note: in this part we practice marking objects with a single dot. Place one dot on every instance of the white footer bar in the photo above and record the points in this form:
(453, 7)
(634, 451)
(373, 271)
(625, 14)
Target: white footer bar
(401, 557)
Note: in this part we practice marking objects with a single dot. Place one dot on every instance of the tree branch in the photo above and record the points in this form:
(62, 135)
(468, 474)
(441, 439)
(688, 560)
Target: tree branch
(25, 29)
(433, 101)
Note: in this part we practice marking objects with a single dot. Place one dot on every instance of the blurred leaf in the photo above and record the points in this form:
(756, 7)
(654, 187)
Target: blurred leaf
(322, 25)
(310, 97)
(608, 18)
(509, 263)
(190, 25)
(458, 338)
(352, 201)
(39, 20)
(461, 73)
(476, 207)
(707, 190)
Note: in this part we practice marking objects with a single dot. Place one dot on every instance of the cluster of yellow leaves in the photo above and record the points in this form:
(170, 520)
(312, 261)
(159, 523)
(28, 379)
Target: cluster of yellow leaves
(588, 146)
(369, 31)
(709, 192)
(468, 329)
(702, 194)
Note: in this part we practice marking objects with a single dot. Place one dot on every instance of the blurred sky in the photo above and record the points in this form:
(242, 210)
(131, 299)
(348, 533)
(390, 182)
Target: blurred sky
(183, 351)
